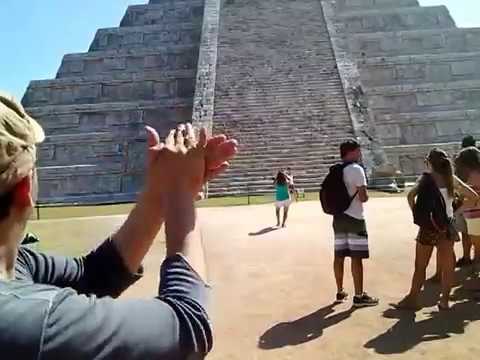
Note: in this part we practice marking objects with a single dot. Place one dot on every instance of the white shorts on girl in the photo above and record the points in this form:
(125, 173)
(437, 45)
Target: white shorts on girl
(284, 203)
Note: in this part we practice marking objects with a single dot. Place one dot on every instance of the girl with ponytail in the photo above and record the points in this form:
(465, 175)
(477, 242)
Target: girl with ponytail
(431, 201)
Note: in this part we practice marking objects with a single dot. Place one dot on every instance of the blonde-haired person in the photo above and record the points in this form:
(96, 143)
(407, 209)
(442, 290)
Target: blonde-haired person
(437, 186)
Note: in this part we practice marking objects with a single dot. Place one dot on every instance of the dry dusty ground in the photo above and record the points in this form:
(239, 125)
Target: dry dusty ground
(273, 290)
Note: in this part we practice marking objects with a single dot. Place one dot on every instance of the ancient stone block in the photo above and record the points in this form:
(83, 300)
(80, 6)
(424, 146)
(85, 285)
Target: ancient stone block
(411, 71)
(438, 73)
(463, 68)
(432, 98)
(185, 88)
(114, 63)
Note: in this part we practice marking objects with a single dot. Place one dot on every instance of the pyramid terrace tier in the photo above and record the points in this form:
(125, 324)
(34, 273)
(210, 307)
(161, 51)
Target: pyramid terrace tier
(160, 58)
(126, 119)
(430, 127)
(147, 36)
(417, 69)
(411, 158)
(154, 85)
(168, 12)
(425, 97)
(414, 42)
(395, 19)
(87, 183)
(352, 5)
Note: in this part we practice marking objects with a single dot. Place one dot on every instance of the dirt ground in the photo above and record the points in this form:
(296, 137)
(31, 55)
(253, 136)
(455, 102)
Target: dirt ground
(273, 291)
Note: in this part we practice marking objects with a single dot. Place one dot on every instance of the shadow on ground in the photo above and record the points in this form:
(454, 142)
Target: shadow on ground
(407, 333)
(264, 231)
(307, 328)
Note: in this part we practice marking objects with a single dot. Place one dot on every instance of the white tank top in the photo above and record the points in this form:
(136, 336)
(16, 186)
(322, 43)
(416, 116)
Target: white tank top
(448, 201)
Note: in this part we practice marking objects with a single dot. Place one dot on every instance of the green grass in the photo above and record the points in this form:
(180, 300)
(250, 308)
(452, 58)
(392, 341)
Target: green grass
(121, 209)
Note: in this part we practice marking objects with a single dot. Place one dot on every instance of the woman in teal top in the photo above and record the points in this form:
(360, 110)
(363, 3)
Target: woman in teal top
(282, 196)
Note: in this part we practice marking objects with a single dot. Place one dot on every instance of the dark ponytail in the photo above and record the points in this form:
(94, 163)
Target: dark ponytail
(442, 166)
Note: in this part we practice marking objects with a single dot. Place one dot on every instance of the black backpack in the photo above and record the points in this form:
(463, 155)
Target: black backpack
(334, 195)
(430, 210)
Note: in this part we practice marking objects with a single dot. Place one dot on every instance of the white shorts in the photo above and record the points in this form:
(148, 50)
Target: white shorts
(473, 226)
(284, 203)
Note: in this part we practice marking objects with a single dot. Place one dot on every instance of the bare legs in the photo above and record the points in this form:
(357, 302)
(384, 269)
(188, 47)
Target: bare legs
(357, 274)
(445, 250)
(423, 253)
(446, 267)
(285, 215)
(338, 266)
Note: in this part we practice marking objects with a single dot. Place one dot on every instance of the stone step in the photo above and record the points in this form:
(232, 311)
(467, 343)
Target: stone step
(352, 5)
(395, 19)
(88, 148)
(152, 85)
(297, 154)
(146, 36)
(168, 12)
(85, 184)
(411, 158)
(415, 42)
(118, 118)
(427, 97)
(416, 69)
(425, 128)
(168, 58)
(112, 151)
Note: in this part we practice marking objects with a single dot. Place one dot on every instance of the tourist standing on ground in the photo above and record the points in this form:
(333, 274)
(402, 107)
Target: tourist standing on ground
(54, 307)
(460, 222)
(282, 196)
(351, 237)
(468, 165)
(431, 201)
(291, 186)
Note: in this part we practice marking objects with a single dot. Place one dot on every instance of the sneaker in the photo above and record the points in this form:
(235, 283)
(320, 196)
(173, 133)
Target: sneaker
(462, 262)
(364, 301)
(342, 296)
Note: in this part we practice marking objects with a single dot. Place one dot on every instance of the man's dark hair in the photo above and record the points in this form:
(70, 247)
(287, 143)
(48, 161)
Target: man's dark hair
(468, 141)
(348, 146)
(6, 201)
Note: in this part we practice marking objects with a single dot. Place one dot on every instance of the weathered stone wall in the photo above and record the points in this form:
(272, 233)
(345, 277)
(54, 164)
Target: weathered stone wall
(419, 74)
(94, 112)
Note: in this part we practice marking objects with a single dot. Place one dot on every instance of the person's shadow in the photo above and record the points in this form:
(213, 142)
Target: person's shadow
(406, 333)
(263, 231)
(307, 328)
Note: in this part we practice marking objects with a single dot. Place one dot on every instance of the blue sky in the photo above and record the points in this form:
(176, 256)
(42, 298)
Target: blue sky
(35, 34)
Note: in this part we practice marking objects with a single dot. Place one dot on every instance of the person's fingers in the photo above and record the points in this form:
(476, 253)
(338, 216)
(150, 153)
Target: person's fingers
(153, 139)
(179, 138)
(202, 139)
(190, 140)
(213, 142)
(213, 173)
(170, 140)
(221, 153)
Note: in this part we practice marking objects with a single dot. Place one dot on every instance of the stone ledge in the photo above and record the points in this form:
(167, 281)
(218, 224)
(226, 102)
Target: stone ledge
(397, 19)
(425, 87)
(138, 15)
(108, 78)
(153, 50)
(112, 106)
(349, 5)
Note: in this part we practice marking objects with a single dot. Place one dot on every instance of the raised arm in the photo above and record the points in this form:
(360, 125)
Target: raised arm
(116, 264)
(471, 198)
(411, 196)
